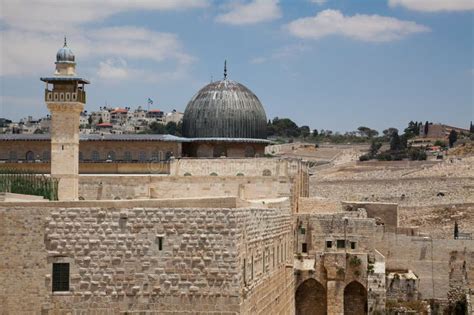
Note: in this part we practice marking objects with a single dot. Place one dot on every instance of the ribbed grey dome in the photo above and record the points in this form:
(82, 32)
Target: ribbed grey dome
(225, 109)
(65, 54)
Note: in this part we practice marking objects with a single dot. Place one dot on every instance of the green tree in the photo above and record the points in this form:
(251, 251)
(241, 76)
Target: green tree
(305, 131)
(395, 142)
(315, 133)
(157, 128)
(374, 148)
(453, 137)
(90, 120)
(471, 128)
(387, 133)
(100, 120)
(367, 132)
(171, 128)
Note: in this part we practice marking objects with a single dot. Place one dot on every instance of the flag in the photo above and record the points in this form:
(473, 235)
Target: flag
(150, 101)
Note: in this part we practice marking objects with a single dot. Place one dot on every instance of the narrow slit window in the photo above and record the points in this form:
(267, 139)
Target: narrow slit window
(353, 245)
(304, 248)
(160, 243)
(60, 277)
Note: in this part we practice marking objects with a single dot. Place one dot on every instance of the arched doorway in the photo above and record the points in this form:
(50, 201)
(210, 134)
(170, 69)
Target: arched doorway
(355, 299)
(310, 298)
(30, 156)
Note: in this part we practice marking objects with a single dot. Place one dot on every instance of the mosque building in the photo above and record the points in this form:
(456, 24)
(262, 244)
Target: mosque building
(223, 119)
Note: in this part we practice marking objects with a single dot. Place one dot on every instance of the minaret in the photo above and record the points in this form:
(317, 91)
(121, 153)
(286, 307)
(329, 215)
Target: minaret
(65, 98)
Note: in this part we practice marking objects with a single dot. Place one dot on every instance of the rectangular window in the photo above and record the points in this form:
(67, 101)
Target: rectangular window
(304, 248)
(160, 243)
(328, 244)
(60, 277)
(353, 245)
(303, 230)
(341, 243)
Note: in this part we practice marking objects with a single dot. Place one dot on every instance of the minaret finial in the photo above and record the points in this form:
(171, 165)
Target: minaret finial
(225, 69)
(65, 42)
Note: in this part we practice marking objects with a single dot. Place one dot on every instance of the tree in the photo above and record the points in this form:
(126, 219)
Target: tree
(389, 132)
(395, 143)
(315, 132)
(305, 131)
(171, 128)
(453, 137)
(158, 128)
(412, 130)
(367, 132)
(426, 128)
(374, 148)
(90, 120)
(471, 128)
(100, 120)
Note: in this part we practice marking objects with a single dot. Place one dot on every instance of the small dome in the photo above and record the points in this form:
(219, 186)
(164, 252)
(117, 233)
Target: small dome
(65, 54)
(225, 109)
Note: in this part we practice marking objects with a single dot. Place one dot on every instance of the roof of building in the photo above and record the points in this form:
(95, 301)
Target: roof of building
(225, 109)
(129, 137)
(120, 110)
(65, 54)
(96, 137)
(59, 78)
(104, 125)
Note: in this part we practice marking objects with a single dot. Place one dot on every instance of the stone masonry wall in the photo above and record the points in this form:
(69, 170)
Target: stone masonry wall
(141, 187)
(428, 258)
(116, 264)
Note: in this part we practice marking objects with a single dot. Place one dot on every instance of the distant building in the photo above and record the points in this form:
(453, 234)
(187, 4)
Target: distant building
(431, 133)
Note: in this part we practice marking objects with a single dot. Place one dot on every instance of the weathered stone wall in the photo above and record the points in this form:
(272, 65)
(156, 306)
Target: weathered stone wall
(405, 192)
(156, 186)
(116, 263)
(387, 213)
(234, 166)
(42, 148)
(428, 258)
(318, 205)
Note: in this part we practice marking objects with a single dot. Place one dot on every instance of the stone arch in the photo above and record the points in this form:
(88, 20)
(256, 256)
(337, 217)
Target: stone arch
(355, 299)
(310, 298)
(111, 156)
(30, 156)
(267, 172)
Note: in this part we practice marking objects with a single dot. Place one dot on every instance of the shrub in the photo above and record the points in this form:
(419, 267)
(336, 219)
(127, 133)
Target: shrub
(364, 157)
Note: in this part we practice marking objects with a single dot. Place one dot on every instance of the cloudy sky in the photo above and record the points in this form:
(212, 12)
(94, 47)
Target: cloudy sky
(330, 64)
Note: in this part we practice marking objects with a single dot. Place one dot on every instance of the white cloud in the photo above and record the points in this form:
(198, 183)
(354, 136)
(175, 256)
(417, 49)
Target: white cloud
(371, 28)
(253, 12)
(434, 5)
(51, 15)
(115, 69)
(32, 32)
(320, 2)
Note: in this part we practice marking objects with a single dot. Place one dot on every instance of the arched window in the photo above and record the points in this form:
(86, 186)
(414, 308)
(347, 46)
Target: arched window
(95, 156)
(127, 156)
(30, 156)
(81, 156)
(111, 156)
(13, 156)
(169, 154)
(142, 156)
(267, 172)
(155, 156)
(46, 155)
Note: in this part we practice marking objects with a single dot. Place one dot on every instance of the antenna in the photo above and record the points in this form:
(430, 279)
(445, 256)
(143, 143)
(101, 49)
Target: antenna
(225, 69)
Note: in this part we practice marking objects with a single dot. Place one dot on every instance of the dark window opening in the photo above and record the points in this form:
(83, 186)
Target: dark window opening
(160, 243)
(304, 248)
(353, 245)
(303, 230)
(341, 243)
(60, 277)
(328, 244)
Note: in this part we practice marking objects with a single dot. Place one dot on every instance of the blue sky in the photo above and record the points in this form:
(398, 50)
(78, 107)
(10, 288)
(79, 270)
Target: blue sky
(334, 64)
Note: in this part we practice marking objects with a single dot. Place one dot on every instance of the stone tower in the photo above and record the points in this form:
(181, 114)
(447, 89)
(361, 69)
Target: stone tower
(65, 97)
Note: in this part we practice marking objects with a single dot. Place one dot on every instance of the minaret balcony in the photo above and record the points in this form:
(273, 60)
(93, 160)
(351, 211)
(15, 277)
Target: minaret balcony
(65, 96)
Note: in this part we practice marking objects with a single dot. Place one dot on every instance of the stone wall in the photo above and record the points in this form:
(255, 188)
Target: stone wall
(41, 149)
(156, 186)
(384, 213)
(428, 258)
(318, 205)
(116, 263)
(405, 192)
